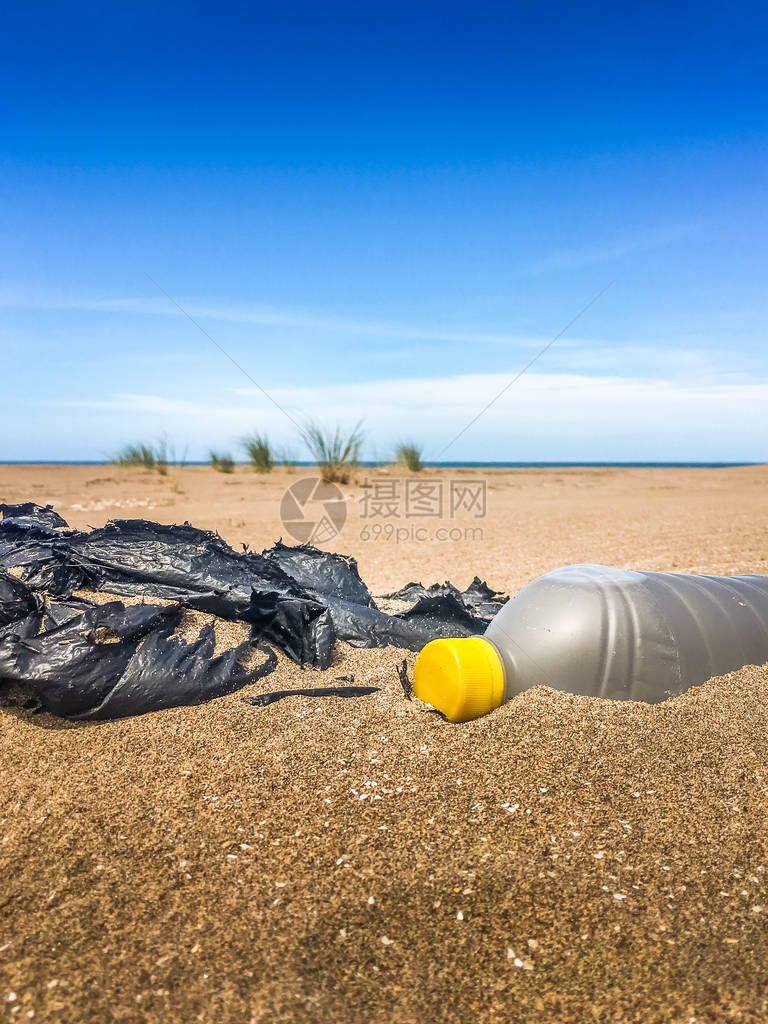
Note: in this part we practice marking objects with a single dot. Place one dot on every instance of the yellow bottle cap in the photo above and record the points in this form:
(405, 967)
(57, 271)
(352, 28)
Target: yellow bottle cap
(462, 677)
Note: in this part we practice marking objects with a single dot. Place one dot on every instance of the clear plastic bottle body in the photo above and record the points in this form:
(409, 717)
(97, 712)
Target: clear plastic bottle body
(626, 635)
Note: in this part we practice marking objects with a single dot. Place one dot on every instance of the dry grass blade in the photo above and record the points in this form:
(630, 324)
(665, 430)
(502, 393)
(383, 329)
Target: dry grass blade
(336, 452)
(408, 455)
(159, 456)
(222, 463)
(259, 452)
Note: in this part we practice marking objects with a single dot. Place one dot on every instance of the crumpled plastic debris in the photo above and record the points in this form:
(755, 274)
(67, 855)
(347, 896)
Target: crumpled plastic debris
(80, 659)
(477, 598)
(34, 515)
(17, 601)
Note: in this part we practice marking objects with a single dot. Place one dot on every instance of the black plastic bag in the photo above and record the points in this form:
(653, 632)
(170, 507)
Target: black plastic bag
(87, 660)
(17, 601)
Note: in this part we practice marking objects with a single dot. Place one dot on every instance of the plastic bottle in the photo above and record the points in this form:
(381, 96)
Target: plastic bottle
(602, 632)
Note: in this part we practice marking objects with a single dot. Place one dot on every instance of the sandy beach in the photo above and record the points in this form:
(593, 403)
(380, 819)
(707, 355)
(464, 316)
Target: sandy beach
(319, 859)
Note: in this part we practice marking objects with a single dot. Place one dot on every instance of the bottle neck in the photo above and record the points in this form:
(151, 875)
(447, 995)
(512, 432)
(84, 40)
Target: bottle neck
(508, 668)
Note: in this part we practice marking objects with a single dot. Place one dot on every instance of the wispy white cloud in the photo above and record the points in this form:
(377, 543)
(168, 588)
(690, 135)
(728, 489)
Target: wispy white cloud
(688, 353)
(603, 415)
(264, 316)
(643, 241)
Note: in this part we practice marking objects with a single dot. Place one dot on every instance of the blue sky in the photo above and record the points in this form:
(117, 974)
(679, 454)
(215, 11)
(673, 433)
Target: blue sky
(385, 211)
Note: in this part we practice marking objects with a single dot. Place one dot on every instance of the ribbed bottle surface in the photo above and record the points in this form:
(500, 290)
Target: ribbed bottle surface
(627, 635)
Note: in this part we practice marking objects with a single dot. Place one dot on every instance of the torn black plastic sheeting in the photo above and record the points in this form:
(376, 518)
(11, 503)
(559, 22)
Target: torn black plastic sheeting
(299, 600)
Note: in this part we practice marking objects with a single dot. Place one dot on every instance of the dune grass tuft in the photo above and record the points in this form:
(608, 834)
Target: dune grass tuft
(337, 452)
(222, 462)
(164, 456)
(259, 452)
(159, 456)
(136, 455)
(409, 456)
